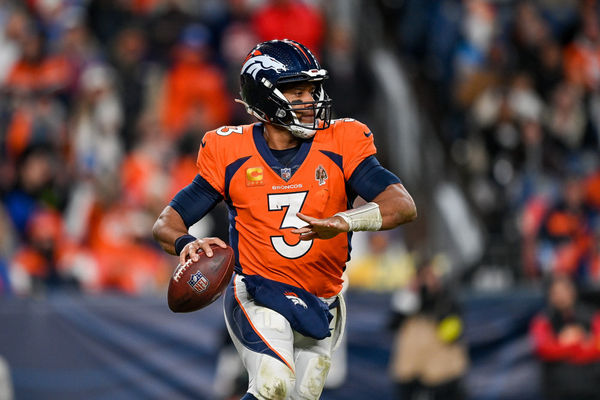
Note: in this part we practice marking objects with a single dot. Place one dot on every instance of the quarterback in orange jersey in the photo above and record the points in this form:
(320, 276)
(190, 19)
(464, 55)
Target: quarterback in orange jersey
(289, 181)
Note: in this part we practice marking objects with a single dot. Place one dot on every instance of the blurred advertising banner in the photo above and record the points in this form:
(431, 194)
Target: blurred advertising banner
(69, 346)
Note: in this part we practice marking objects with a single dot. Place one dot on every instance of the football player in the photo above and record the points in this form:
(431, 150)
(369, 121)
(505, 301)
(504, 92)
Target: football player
(289, 181)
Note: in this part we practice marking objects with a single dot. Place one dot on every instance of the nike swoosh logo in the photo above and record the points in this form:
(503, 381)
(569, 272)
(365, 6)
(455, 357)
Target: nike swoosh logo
(367, 134)
(203, 143)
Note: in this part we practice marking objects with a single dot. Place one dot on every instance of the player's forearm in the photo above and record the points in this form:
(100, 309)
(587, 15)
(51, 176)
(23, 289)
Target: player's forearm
(396, 206)
(167, 228)
(392, 207)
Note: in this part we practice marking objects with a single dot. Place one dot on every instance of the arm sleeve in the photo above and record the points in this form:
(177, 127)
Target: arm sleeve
(370, 178)
(195, 200)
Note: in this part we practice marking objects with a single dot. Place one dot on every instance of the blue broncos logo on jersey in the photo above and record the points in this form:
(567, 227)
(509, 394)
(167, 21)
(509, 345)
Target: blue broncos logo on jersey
(262, 62)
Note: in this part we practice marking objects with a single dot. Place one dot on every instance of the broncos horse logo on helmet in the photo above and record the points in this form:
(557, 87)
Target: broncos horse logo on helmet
(276, 62)
(257, 63)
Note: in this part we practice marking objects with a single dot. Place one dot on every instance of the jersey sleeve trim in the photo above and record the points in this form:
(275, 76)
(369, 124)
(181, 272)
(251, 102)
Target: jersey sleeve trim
(195, 200)
(336, 158)
(230, 171)
(357, 144)
(370, 178)
(209, 163)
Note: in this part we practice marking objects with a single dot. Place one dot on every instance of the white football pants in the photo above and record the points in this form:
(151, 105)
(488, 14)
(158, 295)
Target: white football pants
(290, 365)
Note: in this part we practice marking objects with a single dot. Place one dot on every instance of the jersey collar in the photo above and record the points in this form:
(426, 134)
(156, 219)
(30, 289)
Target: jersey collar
(282, 171)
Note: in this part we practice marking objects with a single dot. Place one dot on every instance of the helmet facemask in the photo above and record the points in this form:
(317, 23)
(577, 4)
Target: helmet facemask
(286, 115)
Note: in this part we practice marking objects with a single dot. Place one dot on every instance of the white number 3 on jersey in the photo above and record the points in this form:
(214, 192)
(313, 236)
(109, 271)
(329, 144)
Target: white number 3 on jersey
(293, 202)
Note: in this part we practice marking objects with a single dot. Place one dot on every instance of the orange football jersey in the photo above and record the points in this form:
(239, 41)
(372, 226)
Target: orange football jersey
(264, 196)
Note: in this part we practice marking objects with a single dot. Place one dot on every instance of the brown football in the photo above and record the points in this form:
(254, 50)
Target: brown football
(195, 285)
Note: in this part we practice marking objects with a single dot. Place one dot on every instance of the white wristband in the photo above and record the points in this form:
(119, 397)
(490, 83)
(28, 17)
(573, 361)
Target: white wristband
(363, 218)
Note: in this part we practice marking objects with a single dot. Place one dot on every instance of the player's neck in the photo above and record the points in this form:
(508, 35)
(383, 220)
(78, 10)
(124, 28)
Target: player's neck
(279, 138)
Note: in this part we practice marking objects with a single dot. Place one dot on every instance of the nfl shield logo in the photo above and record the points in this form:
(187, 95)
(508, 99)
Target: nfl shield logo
(286, 173)
(198, 282)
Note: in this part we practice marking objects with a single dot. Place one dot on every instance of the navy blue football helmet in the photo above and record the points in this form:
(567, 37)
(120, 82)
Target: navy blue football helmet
(272, 64)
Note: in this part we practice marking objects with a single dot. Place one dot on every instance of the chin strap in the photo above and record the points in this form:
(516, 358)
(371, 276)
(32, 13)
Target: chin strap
(297, 130)
(250, 111)
(363, 218)
(301, 132)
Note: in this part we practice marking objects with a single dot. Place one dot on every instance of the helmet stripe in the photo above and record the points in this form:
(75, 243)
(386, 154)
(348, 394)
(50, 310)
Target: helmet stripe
(301, 50)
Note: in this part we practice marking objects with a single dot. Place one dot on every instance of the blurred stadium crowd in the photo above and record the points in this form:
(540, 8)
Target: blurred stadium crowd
(513, 90)
(104, 103)
(102, 109)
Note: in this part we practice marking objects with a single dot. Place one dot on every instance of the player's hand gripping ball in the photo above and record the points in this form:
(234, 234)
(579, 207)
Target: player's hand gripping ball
(195, 285)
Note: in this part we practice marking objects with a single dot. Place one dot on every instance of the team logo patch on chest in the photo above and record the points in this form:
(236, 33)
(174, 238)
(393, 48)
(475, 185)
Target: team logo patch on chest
(321, 175)
(198, 282)
(293, 297)
(254, 176)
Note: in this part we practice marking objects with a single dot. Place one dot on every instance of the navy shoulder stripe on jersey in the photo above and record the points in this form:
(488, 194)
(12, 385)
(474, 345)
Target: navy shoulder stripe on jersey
(370, 178)
(195, 200)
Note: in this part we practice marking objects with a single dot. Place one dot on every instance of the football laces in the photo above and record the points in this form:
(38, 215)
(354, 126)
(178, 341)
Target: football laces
(179, 271)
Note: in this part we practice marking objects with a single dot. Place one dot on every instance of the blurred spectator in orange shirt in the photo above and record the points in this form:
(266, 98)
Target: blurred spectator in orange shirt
(38, 120)
(37, 71)
(290, 19)
(144, 179)
(33, 85)
(592, 189)
(195, 93)
(125, 262)
(582, 56)
(40, 264)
